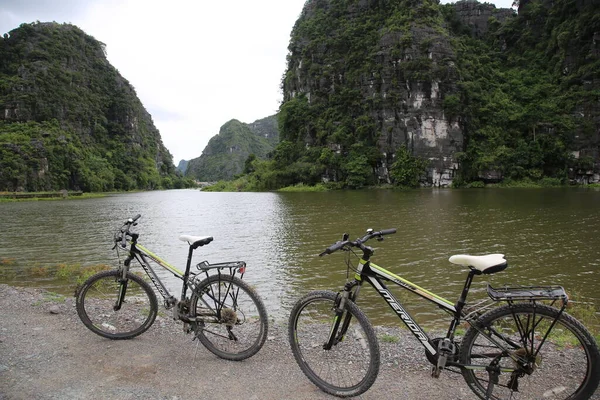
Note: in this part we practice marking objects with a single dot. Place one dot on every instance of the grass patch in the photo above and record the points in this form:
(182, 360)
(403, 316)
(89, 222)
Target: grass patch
(301, 187)
(587, 313)
(50, 297)
(528, 183)
(237, 185)
(386, 338)
(73, 274)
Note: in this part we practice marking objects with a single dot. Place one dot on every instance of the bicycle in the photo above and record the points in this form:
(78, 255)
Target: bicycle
(223, 312)
(527, 347)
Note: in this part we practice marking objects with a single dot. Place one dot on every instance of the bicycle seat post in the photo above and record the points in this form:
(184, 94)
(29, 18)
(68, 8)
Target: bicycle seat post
(460, 304)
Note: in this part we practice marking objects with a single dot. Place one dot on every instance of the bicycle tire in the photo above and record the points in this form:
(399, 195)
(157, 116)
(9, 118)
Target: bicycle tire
(233, 322)
(356, 357)
(566, 367)
(97, 297)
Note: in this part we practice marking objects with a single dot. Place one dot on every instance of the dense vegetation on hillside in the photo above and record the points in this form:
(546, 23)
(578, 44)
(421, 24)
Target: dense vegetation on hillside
(68, 119)
(226, 154)
(533, 84)
(523, 95)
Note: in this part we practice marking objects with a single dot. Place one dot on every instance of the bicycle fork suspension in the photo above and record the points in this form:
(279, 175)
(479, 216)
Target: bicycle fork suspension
(336, 336)
(123, 281)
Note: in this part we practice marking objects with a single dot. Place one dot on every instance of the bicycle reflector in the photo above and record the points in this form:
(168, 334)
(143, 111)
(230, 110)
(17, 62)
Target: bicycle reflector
(242, 269)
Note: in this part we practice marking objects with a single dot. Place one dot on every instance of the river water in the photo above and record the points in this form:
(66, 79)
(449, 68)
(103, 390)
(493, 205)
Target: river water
(549, 236)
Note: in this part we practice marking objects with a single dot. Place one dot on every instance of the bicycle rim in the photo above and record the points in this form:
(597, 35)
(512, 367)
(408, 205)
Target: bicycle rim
(232, 319)
(96, 305)
(564, 367)
(351, 366)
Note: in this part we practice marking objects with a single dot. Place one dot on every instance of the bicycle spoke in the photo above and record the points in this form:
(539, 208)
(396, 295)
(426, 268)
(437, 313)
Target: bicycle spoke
(350, 364)
(232, 321)
(552, 360)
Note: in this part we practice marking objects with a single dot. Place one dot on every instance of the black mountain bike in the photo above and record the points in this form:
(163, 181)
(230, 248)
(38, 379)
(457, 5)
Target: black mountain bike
(526, 348)
(223, 312)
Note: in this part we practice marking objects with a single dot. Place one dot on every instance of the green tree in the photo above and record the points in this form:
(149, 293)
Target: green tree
(407, 169)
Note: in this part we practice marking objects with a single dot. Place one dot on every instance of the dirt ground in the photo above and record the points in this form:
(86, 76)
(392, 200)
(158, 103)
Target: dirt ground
(47, 353)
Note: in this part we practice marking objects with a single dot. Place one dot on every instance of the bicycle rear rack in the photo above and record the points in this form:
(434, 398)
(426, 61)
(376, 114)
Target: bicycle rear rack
(233, 266)
(230, 267)
(528, 293)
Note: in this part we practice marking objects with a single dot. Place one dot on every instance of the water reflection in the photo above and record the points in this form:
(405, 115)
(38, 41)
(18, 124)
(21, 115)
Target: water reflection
(547, 235)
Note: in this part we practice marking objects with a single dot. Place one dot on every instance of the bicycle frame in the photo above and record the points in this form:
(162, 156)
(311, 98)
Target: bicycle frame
(501, 345)
(142, 254)
(376, 275)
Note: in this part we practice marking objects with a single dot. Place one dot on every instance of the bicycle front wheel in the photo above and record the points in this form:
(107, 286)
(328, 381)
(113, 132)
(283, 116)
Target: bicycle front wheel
(231, 318)
(535, 355)
(97, 305)
(351, 365)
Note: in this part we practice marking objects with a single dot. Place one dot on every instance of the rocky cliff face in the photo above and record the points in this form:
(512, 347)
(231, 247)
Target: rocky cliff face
(369, 73)
(400, 77)
(266, 128)
(182, 166)
(86, 127)
(412, 86)
(477, 16)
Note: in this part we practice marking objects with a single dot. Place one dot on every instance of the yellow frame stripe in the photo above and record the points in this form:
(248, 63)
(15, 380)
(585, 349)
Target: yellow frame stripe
(418, 288)
(159, 260)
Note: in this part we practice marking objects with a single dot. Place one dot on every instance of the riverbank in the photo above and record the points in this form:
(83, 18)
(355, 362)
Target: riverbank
(33, 196)
(243, 184)
(47, 353)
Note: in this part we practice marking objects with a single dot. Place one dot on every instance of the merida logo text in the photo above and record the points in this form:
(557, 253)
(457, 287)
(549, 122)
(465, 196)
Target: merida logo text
(407, 320)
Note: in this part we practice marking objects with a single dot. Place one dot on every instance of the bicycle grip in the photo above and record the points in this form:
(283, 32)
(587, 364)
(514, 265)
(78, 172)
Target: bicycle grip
(136, 218)
(388, 231)
(334, 247)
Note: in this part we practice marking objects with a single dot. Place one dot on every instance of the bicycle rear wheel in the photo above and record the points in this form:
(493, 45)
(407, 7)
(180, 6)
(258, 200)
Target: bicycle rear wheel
(351, 366)
(97, 299)
(232, 319)
(563, 366)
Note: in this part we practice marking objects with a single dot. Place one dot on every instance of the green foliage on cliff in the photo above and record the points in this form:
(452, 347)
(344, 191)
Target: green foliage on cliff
(528, 107)
(233, 150)
(69, 120)
(523, 94)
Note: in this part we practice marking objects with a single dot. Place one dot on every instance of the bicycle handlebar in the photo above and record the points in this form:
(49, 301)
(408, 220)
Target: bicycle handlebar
(358, 242)
(125, 230)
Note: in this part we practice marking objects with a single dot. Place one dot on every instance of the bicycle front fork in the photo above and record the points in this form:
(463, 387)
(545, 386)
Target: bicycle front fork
(341, 317)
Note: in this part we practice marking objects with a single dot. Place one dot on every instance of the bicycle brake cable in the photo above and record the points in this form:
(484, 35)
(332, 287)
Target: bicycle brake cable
(116, 246)
(349, 265)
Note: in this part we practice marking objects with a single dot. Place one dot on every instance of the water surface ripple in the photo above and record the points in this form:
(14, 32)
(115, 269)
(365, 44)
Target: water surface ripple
(548, 235)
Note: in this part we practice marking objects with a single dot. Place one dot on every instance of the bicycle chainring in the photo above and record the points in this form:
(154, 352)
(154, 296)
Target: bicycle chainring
(434, 359)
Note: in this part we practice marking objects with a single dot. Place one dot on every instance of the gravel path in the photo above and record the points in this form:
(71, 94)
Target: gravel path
(47, 353)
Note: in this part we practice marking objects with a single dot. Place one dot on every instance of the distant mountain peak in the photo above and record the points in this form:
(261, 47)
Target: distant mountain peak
(225, 154)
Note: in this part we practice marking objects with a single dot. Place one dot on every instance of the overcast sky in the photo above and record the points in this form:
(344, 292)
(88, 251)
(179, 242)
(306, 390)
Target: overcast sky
(195, 64)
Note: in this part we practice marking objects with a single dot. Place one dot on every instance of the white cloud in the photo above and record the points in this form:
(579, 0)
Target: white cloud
(195, 64)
